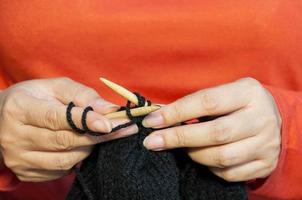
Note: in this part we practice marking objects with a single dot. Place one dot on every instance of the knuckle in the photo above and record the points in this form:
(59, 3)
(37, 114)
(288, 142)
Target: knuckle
(223, 159)
(221, 132)
(270, 153)
(277, 145)
(230, 176)
(10, 163)
(195, 157)
(7, 113)
(11, 105)
(52, 118)
(65, 141)
(78, 100)
(269, 164)
(271, 124)
(7, 108)
(84, 95)
(63, 163)
(254, 86)
(249, 81)
(6, 141)
(209, 102)
(10, 145)
(90, 91)
(274, 146)
(15, 164)
(61, 81)
(64, 80)
(180, 137)
(174, 115)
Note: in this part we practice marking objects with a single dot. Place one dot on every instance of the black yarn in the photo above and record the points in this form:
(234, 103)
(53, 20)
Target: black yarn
(84, 123)
(70, 121)
(86, 130)
(84, 117)
(133, 120)
(124, 169)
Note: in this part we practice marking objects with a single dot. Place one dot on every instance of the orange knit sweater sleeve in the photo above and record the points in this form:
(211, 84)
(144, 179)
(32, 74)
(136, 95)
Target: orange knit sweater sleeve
(286, 180)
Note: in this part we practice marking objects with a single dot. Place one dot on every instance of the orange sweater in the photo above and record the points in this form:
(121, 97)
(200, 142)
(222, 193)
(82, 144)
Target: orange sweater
(164, 49)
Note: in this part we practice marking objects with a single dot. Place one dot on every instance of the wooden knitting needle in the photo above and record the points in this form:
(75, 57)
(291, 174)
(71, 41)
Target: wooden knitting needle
(121, 91)
(135, 112)
(132, 98)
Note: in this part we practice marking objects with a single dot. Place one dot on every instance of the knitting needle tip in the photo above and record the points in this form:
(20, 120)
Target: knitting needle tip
(120, 90)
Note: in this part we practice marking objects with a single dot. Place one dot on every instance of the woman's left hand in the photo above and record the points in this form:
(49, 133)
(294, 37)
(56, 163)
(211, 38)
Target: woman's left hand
(243, 143)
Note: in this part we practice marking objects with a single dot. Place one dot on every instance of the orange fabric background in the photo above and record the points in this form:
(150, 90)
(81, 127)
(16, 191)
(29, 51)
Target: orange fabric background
(163, 49)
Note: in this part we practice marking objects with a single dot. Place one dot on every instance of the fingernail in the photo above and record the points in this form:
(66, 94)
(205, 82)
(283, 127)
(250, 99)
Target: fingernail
(154, 142)
(101, 126)
(133, 129)
(153, 120)
(102, 102)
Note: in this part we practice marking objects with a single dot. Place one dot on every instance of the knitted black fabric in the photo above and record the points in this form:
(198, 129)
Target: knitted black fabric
(124, 169)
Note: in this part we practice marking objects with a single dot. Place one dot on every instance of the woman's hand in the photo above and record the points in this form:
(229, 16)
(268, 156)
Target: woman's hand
(243, 143)
(36, 141)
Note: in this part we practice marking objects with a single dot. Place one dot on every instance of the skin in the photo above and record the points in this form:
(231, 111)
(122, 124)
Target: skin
(36, 141)
(242, 144)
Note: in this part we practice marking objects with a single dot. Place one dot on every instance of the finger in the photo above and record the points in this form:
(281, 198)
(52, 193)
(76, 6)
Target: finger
(214, 101)
(67, 90)
(56, 160)
(40, 139)
(227, 155)
(244, 172)
(53, 116)
(103, 107)
(41, 175)
(223, 130)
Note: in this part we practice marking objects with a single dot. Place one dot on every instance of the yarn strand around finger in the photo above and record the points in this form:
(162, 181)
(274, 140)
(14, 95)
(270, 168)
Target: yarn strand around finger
(69, 119)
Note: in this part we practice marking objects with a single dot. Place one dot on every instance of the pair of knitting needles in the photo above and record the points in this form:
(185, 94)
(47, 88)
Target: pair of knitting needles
(132, 98)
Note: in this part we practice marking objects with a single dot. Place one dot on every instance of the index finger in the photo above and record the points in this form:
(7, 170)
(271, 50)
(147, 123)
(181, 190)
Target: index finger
(53, 116)
(219, 100)
(228, 129)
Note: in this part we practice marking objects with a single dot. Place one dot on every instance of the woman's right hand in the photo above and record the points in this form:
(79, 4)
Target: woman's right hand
(36, 141)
